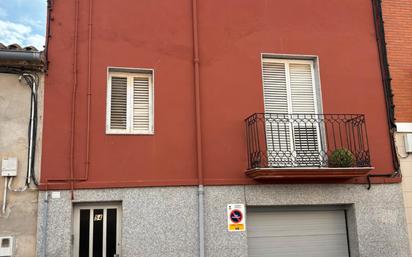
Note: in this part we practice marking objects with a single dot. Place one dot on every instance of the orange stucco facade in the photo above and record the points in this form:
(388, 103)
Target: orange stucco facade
(233, 35)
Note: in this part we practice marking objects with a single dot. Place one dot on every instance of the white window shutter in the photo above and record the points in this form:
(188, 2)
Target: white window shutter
(288, 86)
(130, 102)
(305, 129)
(141, 120)
(118, 103)
(302, 88)
(276, 102)
(275, 87)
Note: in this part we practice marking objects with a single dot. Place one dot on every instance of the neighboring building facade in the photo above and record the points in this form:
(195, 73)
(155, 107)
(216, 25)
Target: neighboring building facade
(146, 142)
(21, 71)
(398, 29)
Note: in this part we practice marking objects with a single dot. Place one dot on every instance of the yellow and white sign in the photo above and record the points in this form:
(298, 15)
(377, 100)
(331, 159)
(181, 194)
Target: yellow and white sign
(236, 217)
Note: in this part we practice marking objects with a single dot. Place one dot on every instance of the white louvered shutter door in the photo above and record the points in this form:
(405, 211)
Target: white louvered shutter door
(301, 88)
(118, 103)
(305, 127)
(276, 103)
(275, 87)
(141, 120)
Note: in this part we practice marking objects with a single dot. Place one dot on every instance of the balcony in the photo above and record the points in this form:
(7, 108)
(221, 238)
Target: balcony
(306, 146)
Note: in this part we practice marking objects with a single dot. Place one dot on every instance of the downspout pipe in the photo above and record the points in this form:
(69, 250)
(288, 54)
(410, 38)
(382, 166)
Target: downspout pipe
(72, 179)
(45, 214)
(387, 88)
(74, 98)
(196, 61)
(48, 32)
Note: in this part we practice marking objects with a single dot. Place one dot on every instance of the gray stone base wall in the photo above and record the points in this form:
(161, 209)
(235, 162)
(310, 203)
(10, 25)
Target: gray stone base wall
(162, 221)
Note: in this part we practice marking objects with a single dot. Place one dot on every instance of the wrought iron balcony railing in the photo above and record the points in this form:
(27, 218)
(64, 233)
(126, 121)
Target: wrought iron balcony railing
(276, 140)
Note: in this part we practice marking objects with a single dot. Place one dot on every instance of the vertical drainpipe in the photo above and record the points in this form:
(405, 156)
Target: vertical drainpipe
(198, 130)
(45, 214)
(387, 88)
(74, 97)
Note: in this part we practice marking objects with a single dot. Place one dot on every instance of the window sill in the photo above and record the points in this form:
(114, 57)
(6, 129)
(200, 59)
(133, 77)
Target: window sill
(129, 134)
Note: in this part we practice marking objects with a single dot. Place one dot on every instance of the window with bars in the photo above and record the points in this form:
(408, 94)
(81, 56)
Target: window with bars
(130, 102)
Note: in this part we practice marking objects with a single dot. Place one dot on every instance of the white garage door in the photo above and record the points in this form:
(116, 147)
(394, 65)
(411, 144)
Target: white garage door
(297, 233)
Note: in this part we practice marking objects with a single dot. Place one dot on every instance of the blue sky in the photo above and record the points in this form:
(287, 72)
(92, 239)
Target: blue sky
(23, 22)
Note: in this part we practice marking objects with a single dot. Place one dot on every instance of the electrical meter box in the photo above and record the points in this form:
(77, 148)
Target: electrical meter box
(408, 142)
(9, 167)
(6, 246)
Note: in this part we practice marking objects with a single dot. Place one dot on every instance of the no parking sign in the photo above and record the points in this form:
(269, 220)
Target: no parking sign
(236, 217)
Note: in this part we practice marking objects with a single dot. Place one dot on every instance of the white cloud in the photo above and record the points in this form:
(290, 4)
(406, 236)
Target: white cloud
(18, 33)
(35, 24)
(36, 40)
(10, 32)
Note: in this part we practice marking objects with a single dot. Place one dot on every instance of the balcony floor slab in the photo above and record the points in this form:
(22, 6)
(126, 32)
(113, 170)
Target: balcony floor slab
(307, 173)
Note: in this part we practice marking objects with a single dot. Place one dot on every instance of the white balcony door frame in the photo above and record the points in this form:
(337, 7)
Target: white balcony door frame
(286, 60)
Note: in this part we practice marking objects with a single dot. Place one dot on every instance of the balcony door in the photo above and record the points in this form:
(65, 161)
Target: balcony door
(292, 123)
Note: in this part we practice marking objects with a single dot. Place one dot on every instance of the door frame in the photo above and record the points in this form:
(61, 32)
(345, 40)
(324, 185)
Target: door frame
(76, 225)
(286, 60)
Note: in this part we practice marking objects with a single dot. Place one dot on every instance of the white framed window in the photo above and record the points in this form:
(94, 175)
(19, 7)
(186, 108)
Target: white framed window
(97, 230)
(292, 104)
(130, 101)
(290, 86)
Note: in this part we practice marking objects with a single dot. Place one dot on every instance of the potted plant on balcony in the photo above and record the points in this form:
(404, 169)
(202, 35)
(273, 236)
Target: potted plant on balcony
(341, 158)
